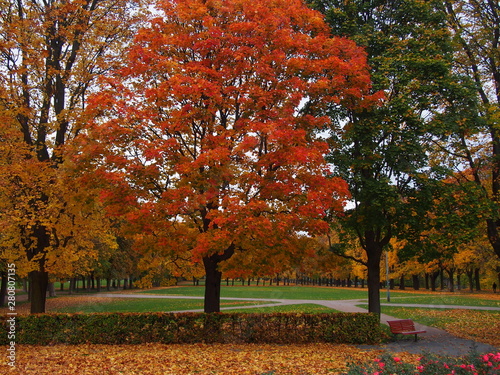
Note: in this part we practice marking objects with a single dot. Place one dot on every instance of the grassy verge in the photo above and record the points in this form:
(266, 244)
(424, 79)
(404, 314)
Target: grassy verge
(308, 308)
(444, 299)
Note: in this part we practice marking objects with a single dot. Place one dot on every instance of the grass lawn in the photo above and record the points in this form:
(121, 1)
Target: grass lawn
(267, 292)
(167, 305)
(83, 302)
(270, 292)
(97, 305)
(438, 299)
(329, 293)
(307, 308)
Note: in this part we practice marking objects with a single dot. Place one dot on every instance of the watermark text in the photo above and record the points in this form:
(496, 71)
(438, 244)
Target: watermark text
(11, 315)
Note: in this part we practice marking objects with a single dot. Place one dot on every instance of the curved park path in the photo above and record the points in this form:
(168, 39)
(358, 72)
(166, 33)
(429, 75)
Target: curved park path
(436, 341)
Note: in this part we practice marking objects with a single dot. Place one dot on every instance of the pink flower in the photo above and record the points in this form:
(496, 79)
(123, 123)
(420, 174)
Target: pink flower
(420, 368)
(397, 359)
(381, 364)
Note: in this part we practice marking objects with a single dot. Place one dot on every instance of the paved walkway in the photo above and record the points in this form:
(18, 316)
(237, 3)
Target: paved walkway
(435, 340)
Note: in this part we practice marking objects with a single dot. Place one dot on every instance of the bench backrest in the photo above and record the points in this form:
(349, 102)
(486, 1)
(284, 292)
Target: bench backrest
(404, 325)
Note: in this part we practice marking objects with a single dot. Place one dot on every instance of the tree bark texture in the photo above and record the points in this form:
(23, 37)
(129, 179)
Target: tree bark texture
(213, 279)
(39, 281)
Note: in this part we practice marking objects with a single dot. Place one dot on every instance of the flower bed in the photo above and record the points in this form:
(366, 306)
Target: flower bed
(486, 364)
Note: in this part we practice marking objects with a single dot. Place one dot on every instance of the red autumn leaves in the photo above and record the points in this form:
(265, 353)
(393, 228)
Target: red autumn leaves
(211, 123)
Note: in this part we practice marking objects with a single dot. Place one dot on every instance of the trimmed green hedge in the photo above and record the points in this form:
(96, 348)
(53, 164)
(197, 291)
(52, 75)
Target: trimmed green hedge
(172, 328)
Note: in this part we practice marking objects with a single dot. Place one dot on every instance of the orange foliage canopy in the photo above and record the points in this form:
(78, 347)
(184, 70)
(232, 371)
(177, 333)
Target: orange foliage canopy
(207, 133)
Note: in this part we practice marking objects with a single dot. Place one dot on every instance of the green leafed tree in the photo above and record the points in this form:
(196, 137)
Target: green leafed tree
(381, 152)
(470, 137)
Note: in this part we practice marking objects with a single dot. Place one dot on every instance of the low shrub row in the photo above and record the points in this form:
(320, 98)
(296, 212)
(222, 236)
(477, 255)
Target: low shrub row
(178, 328)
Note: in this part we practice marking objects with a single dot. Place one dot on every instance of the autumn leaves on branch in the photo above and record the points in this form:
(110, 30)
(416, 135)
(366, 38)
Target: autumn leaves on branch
(211, 121)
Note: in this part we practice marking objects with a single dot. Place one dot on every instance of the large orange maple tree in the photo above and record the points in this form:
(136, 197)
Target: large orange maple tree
(211, 126)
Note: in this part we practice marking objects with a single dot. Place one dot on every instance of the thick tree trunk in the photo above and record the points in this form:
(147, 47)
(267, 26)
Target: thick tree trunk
(498, 274)
(37, 246)
(493, 233)
(434, 277)
(71, 285)
(374, 243)
(470, 274)
(52, 290)
(213, 278)
(36, 241)
(451, 278)
(416, 282)
(39, 280)
(476, 277)
(374, 283)
(212, 285)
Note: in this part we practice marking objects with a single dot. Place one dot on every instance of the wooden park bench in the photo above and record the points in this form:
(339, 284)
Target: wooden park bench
(404, 327)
